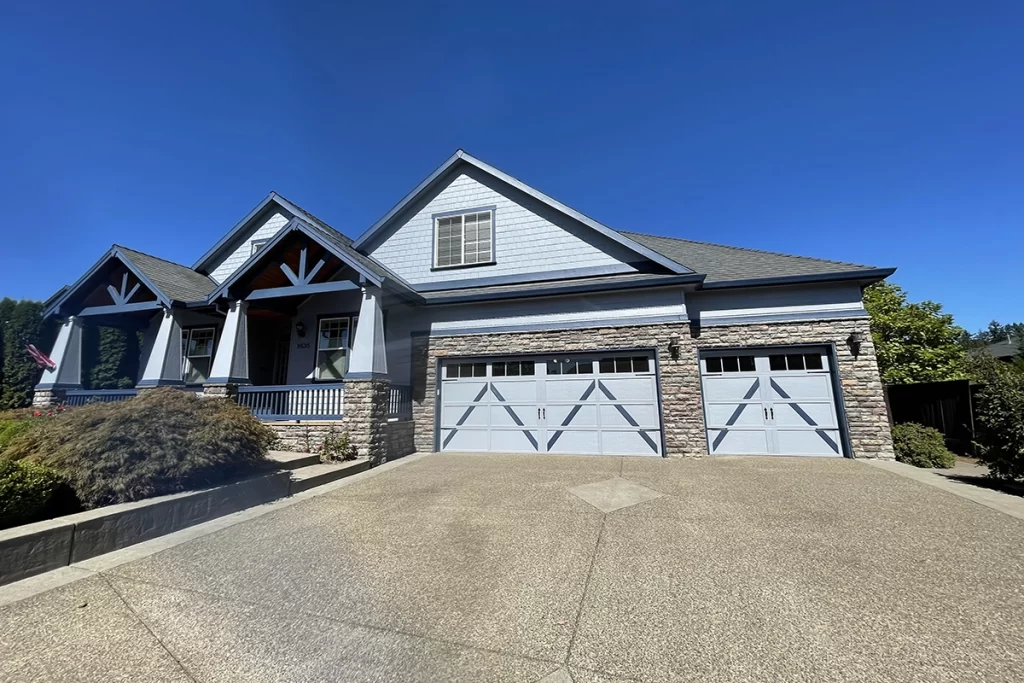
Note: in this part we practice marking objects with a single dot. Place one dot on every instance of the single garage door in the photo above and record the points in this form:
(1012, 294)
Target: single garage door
(770, 402)
(590, 404)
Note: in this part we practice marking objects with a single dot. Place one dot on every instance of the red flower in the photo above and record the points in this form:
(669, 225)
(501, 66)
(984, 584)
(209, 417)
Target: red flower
(37, 414)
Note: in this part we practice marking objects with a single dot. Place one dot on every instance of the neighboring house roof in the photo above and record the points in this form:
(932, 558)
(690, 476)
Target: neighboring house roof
(178, 282)
(461, 156)
(739, 266)
(1006, 348)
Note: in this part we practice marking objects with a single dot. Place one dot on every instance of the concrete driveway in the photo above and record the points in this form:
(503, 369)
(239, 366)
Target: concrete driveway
(486, 568)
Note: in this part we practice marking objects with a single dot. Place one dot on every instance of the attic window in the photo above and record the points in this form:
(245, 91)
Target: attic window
(464, 239)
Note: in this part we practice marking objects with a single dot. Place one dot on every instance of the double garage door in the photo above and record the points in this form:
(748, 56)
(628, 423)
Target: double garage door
(596, 403)
(770, 402)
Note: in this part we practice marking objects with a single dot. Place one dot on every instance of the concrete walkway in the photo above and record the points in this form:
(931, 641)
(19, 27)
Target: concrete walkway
(509, 568)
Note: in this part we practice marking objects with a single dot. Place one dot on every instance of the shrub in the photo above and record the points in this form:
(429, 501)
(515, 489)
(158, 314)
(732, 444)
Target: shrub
(335, 447)
(999, 416)
(921, 446)
(162, 441)
(12, 428)
(29, 492)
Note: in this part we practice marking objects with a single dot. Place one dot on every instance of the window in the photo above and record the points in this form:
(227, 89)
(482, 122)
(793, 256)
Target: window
(570, 367)
(795, 361)
(625, 364)
(257, 245)
(512, 368)
(729, 363)
(197, 354)
(463, 240)
(456, 370)
(332, 345)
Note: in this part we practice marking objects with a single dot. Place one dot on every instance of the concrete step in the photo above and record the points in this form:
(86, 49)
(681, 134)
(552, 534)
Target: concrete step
(287, 460)
(317, 475)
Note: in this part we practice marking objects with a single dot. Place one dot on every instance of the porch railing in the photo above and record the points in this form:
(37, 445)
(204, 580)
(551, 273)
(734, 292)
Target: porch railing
(294, 402)
(79, 397)
(400, 402)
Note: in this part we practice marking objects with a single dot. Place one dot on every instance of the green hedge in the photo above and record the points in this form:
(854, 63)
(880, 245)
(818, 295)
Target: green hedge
(921, 446)
(163, 441)
(999, 416)
(29, 492)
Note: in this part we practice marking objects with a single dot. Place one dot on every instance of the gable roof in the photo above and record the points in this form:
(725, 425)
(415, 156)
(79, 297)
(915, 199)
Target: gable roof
(169, 281)
(736, 266)
(461, 157)
(178, 282)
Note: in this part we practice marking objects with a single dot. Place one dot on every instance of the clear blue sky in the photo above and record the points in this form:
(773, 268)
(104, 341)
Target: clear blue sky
(885, 133)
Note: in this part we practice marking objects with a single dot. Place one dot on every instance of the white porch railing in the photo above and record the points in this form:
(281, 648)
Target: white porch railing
(400, 402)
(79, 397)
(294, 401)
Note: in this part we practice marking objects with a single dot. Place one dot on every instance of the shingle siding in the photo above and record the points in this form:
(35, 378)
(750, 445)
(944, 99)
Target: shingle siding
(231, 263)
(527, 237)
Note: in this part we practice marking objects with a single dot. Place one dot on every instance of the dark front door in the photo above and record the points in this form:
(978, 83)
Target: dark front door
(269, 340)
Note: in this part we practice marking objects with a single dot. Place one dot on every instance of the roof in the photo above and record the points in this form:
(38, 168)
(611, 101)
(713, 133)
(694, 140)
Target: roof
(566, 286)
(177, 282)
(737, 265)
(463, 157)
(1006, 348)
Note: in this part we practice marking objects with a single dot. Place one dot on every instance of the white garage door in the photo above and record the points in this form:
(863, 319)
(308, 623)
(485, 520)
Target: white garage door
(772, 402)
(590, 404)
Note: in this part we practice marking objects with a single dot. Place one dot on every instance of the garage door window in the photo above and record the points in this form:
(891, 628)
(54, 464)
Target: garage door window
(795, 361)
(512, 369)
(570, 367)
(625, 364)
(466, 370)
(730, 364)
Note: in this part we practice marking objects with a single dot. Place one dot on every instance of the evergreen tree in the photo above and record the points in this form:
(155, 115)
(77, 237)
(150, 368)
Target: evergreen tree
(23, 322)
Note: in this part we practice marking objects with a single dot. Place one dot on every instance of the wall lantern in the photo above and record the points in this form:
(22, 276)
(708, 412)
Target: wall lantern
(673, 348)
(300, 329)
(854, 341)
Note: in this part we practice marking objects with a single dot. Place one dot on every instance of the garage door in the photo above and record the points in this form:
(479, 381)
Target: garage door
(590, 404)
(771, 402)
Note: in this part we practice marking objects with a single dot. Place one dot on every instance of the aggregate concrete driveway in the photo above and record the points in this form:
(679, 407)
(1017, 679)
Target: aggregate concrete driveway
(485, 568)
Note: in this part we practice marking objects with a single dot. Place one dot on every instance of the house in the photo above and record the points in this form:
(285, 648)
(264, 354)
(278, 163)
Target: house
(1006, 350)
(480, 314)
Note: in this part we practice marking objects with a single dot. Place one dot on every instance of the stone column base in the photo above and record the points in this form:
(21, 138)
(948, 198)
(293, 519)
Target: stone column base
(365, 416)
(43, 398)
(220, 391)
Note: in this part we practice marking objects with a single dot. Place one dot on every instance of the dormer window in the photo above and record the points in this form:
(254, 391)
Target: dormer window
(464, 239)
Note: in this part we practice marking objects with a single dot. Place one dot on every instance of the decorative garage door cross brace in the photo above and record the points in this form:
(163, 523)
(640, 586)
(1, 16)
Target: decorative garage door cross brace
(806, 418)
(511, 413)
(736, 413)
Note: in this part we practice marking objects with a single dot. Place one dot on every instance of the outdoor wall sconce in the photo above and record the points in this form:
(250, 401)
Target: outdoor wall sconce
(854, 341)
(673, 348)
(300, 329)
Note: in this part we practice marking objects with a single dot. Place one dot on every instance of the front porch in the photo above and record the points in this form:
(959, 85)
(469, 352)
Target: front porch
(295, 335)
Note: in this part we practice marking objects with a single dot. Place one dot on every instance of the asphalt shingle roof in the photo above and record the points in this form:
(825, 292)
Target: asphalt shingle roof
(722, 263)
(176, 281)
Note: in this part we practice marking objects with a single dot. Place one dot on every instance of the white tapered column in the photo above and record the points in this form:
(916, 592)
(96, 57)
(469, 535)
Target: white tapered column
(231, 360)
(67, 355)
(163, 365)
(369, 358)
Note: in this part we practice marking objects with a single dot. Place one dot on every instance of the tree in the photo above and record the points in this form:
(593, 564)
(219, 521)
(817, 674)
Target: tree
(22, 320)
(914, 342)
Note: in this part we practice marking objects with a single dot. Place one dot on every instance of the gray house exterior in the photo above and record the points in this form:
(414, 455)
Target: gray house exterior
(479, 314)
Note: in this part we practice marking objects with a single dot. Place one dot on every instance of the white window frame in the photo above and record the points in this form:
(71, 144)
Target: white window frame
(186, 342)
(461, 215)
(347, 347)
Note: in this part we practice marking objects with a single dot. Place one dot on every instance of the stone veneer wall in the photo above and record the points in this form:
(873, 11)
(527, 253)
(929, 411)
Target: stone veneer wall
(400, 438)
(680, 379)
(365, 416)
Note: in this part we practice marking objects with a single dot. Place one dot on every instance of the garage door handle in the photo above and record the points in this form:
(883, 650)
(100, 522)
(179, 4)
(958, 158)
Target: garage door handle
(772, 409)
(766, 413)
(538, 413)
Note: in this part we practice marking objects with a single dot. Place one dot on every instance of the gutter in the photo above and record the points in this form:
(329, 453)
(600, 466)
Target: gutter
(872, 275)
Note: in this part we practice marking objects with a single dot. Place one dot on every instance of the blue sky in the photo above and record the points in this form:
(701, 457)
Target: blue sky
(882, 133)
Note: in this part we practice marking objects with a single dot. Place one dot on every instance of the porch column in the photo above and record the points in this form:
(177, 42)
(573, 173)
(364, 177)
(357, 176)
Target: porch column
(231, 359)
(67, 355)
(163, 365)
(367, 388)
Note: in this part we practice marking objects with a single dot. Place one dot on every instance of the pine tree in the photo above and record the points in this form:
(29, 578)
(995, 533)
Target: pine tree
(20, 373)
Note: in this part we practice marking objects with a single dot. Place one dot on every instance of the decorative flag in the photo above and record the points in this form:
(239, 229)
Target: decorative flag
(41, 359)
